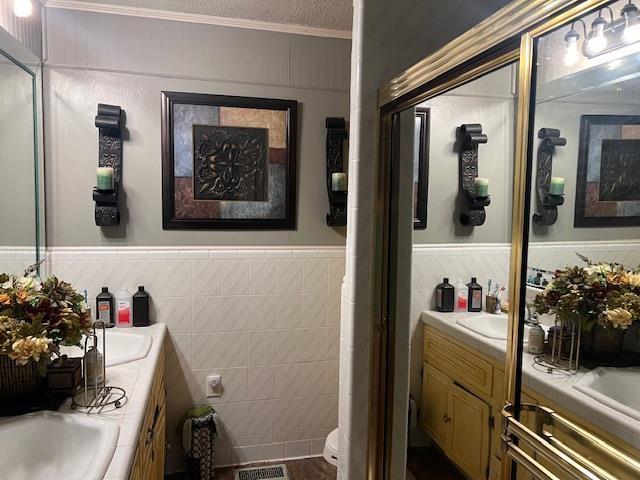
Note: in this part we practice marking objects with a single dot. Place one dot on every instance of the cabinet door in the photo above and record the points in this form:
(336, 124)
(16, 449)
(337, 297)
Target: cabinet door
(467, 442)
(158, 446)
(435, 391)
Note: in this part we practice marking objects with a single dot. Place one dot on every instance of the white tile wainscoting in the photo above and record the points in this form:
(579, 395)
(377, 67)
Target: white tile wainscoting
(266, 319)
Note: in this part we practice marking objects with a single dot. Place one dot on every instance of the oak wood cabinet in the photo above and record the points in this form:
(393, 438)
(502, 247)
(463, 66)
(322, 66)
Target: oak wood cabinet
(461, 398)
(148, 463)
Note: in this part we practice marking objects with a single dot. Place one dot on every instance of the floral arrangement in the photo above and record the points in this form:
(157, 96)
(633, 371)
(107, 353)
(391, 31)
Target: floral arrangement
(606, 294)
(37, 317)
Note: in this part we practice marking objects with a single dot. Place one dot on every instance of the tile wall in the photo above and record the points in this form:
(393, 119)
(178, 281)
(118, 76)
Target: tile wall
(267, 320)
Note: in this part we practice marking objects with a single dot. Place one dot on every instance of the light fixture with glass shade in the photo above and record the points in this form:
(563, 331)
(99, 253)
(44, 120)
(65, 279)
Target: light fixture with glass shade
(597, 41)
(631, 31)
(603, 36)
(572, 51)
(22, 8)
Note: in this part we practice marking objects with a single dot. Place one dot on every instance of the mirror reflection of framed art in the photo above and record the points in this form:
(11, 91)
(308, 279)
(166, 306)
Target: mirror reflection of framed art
(421, 169)
(608, 186)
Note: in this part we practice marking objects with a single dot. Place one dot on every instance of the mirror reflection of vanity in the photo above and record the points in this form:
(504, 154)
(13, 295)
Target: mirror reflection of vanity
(21, 160)
(592, 107)
(549, 386)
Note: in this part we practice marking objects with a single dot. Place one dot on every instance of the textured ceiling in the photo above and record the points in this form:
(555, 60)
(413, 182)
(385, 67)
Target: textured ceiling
(331, 14)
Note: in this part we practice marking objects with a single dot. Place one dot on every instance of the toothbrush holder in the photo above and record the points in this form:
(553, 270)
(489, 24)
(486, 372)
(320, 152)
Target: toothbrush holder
(491, 304)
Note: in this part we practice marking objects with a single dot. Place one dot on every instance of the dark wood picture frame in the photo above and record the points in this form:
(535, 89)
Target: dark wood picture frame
(169, 219)
(421, 189)
(581, 219)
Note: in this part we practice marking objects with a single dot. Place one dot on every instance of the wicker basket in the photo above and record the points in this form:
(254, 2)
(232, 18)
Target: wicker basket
(603, 341)
(18, 381)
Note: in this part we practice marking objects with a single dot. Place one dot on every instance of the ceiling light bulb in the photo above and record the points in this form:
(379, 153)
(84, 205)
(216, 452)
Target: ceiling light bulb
(571, 54)
(597, 42)
(22, 8)
(631, 31)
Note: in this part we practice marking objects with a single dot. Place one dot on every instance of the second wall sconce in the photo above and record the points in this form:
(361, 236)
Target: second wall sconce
(336, 177)
(475, 188)
(549, 190)
(110, 122)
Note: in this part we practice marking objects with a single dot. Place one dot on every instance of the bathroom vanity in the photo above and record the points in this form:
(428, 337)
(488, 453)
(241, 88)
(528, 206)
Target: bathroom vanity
(140, 449)
(463, 395)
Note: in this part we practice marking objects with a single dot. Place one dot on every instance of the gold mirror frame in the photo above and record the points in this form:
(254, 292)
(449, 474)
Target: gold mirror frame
(504, 37)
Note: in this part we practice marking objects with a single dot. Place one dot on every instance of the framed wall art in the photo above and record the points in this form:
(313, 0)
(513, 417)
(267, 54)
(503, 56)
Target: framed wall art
(420, 168)
(608, 182)
(228, 162)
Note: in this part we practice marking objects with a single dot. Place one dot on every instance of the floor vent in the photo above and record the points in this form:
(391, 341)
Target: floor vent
(272, 472)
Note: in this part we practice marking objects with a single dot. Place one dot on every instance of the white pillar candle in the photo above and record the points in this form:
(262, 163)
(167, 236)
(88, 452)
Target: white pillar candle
(556, 187)
(481, 186)
(339, 182)
(105, 178)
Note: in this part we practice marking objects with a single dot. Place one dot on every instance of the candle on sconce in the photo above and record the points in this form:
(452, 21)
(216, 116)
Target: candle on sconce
(105, 178)
(481, 186)
(339, 182)
(556, 187)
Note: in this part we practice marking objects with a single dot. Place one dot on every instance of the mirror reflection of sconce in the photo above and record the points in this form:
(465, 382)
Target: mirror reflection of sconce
(476, 189)
(110, 123)
(336, 177)
(549, 190)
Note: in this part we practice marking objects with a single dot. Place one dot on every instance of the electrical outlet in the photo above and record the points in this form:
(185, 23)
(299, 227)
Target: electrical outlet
(214, 386)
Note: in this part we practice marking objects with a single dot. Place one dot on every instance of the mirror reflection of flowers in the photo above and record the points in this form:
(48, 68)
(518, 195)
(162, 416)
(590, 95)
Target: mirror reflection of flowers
(37, 317)
(606, 294)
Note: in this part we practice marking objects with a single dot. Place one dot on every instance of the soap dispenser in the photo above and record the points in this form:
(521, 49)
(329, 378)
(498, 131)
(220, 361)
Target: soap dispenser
(535, 343)
(444, 296)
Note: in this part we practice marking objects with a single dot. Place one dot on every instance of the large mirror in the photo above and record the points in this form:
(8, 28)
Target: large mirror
(21, 198)
(459, 147)
(582, 352)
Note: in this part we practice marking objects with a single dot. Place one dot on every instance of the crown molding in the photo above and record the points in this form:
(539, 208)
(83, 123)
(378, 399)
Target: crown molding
(195, 18)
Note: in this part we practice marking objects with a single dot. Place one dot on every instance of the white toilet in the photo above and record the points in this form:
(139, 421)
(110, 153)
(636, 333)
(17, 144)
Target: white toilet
(330, 452)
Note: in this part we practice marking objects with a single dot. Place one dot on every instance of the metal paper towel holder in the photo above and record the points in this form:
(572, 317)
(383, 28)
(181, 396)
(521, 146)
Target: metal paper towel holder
(110, 122)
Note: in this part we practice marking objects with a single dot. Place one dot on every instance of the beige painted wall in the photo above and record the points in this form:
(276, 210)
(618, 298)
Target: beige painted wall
(132, 63)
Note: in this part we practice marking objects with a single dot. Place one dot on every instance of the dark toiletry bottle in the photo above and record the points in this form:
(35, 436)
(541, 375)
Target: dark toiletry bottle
(141, 308)
(105, 304)
(474, 296)
(444, 296)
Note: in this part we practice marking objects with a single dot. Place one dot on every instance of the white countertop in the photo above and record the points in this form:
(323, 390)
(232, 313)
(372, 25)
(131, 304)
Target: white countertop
(556, 387)
(136, 378)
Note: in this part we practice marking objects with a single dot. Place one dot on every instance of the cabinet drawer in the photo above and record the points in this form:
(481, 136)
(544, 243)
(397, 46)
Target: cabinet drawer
(467, 368)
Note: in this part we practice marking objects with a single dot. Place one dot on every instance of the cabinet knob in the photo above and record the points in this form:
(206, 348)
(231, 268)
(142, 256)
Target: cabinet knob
(446, 418)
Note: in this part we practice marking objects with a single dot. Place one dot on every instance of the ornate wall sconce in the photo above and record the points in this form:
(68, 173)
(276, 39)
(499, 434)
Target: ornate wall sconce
(336, 177)
(475, 189)
(110, 122)
(549, 195)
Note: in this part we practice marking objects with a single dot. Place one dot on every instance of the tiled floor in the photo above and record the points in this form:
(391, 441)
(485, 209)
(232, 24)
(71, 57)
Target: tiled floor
(430, 464)
(315, 468)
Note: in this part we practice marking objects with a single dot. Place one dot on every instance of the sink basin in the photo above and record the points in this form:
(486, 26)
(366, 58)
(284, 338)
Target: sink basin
(46, 445)
(617, 388)
(122, 347)
(488, 325)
